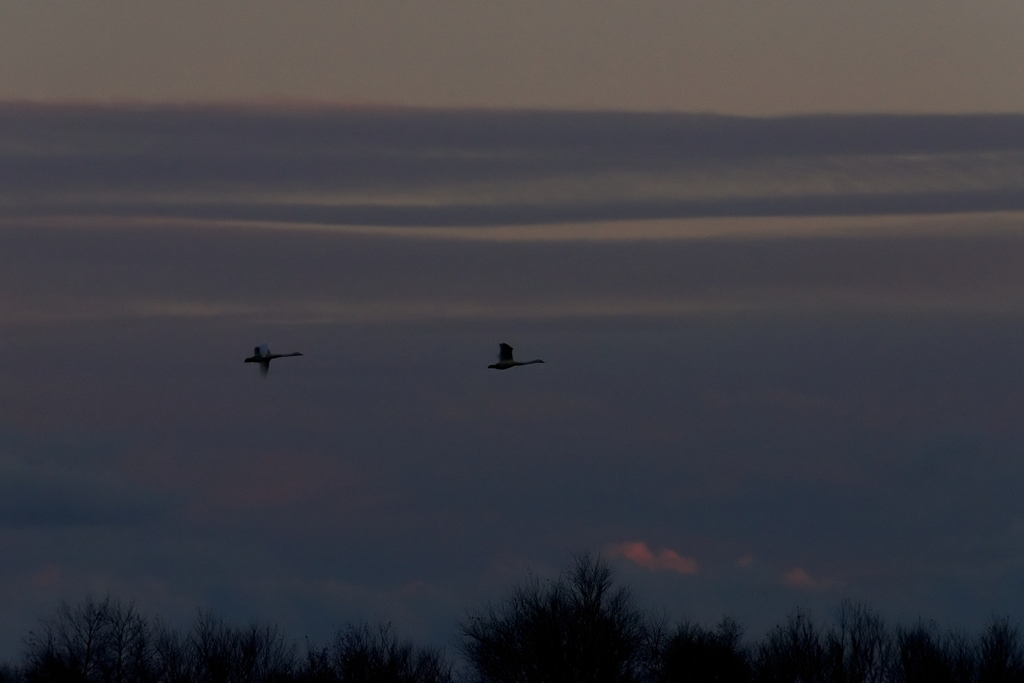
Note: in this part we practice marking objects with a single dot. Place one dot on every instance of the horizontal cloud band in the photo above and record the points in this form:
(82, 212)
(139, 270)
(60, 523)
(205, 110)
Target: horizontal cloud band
(394, 167)
(534, 214)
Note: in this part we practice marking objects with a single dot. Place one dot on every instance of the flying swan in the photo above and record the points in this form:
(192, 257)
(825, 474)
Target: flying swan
(263, 356)
(505, 360)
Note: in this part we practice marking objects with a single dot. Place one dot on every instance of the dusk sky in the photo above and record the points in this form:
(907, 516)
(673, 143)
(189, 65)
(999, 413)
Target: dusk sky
(771, 254)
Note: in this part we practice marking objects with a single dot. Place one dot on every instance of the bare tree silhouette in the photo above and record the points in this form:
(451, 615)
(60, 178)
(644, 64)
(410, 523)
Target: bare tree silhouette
(104, 641)
(575, 629)
(223, 654)
(793, 652)
(172, 659)
(578, 628)
(363, 655)
(698, 655)
(924, 656)
(1000, 656)
(10, 674)
(858, 647)
(109, 642)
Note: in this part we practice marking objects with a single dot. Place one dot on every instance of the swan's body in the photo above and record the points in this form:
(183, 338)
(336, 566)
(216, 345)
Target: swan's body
(263, 356)
(505, 360)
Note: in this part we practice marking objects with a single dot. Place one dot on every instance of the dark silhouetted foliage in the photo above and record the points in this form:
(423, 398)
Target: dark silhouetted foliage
(693, 654)
(362, 655)
(576, 629)
(580, 628)
(792, 652)
(109, 642)
(222, 654)
(858, 647)
(1000, 658)
(97, 641)
(924, 656)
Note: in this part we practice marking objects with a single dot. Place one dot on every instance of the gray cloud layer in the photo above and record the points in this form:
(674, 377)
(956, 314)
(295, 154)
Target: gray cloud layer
(423, 167)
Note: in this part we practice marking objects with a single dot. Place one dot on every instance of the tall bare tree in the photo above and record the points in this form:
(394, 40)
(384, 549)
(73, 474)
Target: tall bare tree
(576, 629)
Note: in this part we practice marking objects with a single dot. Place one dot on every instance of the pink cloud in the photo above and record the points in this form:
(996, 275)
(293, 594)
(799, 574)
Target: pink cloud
(799, 578)
(665, 560)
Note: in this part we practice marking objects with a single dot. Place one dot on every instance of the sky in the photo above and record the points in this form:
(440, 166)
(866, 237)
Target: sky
(770, 254)
(742, 57)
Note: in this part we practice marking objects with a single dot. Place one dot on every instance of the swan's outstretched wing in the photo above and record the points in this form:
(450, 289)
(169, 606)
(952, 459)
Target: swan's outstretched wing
(263, 350)
(265, 367)
(504, 352)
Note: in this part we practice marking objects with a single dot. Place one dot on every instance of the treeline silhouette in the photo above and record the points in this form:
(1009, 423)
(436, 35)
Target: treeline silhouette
(580, 628)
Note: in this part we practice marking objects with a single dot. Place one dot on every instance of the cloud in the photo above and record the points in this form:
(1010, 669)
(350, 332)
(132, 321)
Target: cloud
(397, 167)
(665, 560)
(90, 271)
(798, 577)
